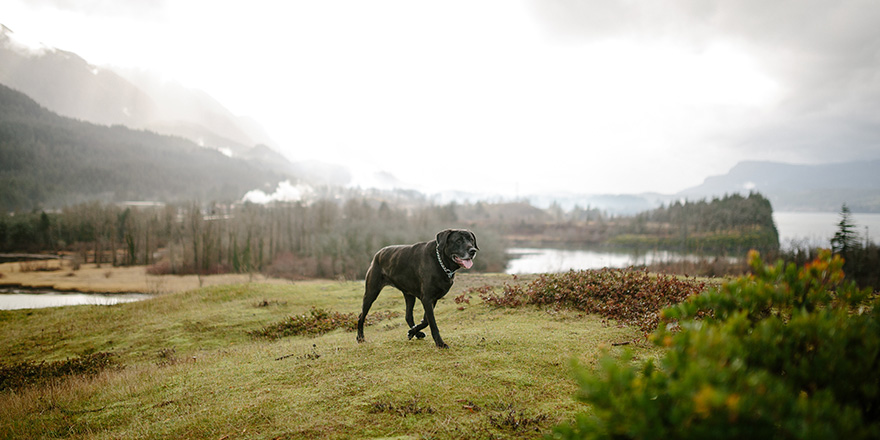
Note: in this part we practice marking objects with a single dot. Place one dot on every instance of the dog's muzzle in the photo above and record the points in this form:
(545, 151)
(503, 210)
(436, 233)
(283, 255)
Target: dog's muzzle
(468, 261)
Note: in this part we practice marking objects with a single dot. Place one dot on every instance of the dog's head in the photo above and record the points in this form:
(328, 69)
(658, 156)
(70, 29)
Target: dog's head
(458, 244)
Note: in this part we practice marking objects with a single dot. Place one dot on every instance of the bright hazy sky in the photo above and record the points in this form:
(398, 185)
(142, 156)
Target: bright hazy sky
(507, 96)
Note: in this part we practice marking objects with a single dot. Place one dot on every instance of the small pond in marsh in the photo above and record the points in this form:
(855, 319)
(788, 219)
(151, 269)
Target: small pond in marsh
(12, 298)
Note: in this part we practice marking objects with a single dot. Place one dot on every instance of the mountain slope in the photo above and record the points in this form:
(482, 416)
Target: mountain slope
(801, 187)
(47, 160)
(68, 85)
(195, 115)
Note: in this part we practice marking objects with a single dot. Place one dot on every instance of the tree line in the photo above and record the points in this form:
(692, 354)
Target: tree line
(861, 256)
(325, 238)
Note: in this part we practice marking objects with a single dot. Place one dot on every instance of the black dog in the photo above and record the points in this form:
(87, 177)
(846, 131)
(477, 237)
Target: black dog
(422, 270)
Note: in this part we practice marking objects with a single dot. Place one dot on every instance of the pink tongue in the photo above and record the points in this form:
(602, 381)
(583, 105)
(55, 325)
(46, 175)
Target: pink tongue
(466, 263)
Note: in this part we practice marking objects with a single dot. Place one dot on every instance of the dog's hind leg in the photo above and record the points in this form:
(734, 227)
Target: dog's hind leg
(417, 330)
(410, 303)
(372, 286)
(413, 332)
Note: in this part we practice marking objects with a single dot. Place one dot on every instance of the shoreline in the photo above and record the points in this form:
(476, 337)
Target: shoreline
(57, 275)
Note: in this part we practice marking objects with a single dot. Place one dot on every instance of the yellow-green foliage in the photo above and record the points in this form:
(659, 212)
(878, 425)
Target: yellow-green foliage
(788, 352)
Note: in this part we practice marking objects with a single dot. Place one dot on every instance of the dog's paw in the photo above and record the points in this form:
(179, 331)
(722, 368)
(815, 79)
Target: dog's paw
(417, 334)
(442, 345)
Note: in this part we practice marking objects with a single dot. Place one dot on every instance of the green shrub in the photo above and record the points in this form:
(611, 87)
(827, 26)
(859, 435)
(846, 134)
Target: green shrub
(787, 352)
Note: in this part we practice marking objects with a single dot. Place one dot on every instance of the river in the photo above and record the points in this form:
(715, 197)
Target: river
(13, 298)
(814, 229)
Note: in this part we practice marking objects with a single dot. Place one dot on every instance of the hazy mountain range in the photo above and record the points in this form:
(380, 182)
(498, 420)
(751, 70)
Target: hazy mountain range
(801, 187)
(66, 84)
(50, 161)
(96, 98)
(798, 188)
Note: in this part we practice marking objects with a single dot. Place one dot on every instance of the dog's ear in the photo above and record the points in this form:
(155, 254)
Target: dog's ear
(474, 237)
(442, 236)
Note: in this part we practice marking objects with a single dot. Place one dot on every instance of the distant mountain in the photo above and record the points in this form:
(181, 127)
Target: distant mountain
(196, 115)
(615, 204)
(50, 161)
(804, 188)
(800, 187)
(67, 84)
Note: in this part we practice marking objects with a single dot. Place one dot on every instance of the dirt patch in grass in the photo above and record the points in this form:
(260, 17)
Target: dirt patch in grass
(317, 322)
(29, 373)
(403, 409)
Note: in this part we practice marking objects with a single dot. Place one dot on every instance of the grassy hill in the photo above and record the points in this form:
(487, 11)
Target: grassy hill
(187, 367)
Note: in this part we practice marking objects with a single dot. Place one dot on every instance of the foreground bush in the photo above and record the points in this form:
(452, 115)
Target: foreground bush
(629, 296)
(786, 353)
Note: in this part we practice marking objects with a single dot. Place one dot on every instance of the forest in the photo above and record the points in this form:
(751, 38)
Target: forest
(335, 237)
(324, 239)
(732, 224)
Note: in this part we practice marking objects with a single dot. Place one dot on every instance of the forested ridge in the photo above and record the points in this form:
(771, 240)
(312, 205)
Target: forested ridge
(49, 161)
(734, 223)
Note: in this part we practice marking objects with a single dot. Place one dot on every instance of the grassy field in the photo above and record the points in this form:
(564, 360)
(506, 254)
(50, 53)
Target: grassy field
(190, 368)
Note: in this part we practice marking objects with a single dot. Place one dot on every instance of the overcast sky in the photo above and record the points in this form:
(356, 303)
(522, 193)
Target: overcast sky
(507, 96)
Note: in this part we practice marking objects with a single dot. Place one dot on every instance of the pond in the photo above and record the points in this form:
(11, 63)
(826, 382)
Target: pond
(17, 298)
(817, 228)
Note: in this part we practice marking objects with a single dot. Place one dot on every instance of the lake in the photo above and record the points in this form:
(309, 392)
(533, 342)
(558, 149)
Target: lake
(13, 299)
(817, 228)
(543, 260)
(812, 228)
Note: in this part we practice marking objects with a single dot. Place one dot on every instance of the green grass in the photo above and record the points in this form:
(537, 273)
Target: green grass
(193, 371)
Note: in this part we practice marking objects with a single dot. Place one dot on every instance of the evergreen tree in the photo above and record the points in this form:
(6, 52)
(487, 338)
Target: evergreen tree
(846, 239)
